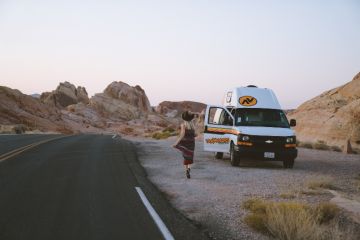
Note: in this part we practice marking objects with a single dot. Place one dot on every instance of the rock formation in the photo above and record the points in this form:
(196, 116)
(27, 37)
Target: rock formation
(18, 108)
(174, 109)
(121, 101)
(65, 95)
(333, 117)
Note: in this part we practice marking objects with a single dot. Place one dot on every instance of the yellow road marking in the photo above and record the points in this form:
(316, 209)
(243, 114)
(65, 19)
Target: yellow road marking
(20, 150)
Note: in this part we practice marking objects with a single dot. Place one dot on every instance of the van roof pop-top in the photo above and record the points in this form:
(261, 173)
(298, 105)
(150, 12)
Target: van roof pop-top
(250, 125)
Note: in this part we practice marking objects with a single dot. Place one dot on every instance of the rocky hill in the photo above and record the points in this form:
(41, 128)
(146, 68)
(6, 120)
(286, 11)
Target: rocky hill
(332, 117)
(17, 108)
(120, 108)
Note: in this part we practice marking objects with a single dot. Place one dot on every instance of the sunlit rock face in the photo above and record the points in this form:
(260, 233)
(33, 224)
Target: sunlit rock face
(332, 117)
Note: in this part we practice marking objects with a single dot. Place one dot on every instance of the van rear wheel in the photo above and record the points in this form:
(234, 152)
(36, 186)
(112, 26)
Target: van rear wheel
(288, 163)
(234, 156)
(219, 155)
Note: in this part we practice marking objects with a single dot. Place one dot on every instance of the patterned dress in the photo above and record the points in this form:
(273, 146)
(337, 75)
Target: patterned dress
(187, 146)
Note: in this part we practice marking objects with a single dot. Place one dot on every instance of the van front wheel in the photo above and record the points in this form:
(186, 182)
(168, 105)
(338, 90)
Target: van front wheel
(234, 156)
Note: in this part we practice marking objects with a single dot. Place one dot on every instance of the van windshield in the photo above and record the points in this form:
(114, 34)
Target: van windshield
(261, 117)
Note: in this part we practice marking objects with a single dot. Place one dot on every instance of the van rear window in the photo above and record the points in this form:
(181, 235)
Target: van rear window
(261, 117)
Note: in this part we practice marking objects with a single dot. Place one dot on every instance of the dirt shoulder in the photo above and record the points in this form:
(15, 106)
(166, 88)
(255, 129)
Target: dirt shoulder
(214, 194)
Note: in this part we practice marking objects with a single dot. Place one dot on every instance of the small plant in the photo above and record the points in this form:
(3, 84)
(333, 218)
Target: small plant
(335, 148)
(287, 195)
(169, 129)
(321, 182)
(292, 220)
(163, 134)
(305, 145)
(325, 212)
(321, 145)
(255, 205)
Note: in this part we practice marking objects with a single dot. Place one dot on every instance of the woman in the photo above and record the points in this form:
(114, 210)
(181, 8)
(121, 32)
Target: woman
(186, 141)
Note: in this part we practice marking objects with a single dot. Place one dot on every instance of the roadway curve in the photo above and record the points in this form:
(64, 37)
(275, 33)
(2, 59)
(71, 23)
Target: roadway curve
(81, 187)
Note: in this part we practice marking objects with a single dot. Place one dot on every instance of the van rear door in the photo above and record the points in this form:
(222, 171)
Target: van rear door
(219, 125)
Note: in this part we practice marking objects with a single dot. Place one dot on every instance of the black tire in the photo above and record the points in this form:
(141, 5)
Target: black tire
(288, 163)
(219, 155)
(234, 156)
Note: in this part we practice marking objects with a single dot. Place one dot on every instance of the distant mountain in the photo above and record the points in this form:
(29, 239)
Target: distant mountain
(35, 95)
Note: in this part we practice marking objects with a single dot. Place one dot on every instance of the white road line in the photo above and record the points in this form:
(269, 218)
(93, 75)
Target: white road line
(115, 135)
(160, 224)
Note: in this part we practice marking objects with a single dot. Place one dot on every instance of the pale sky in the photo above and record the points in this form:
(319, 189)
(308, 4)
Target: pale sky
(181, 50)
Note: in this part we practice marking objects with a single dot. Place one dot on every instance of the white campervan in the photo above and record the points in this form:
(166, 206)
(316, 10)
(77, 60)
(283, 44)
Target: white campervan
(251, 125)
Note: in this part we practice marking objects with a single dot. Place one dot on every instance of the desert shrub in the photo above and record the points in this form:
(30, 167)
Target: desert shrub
(169, 129)
(321, 182)
(292, 220)
(321, 145)
(325, 212)
(305, 145)
(356, 150)
(257, 222)
(335, 148)
(287, 195)
(255, 205)
(161, 135)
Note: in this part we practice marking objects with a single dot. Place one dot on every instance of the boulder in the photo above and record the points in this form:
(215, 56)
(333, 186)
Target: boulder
(174, 109)
(332, 117)
(121, 101)
(65, 94)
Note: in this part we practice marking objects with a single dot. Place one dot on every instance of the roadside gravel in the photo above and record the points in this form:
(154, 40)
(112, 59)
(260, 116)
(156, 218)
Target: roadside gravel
(214, 194)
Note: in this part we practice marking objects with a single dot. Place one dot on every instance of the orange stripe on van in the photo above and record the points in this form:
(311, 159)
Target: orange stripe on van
(223, 130)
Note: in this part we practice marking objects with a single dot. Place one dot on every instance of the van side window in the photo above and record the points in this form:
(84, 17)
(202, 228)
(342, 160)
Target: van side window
(219, 116)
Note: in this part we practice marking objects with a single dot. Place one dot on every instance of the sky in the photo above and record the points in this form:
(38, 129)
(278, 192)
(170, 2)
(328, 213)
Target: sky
(181, 50)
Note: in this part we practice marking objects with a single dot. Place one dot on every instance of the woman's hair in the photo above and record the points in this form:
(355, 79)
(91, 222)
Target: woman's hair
(189, 125)
(187, 116)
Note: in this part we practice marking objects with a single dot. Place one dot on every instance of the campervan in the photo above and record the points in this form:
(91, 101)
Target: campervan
(250, 125)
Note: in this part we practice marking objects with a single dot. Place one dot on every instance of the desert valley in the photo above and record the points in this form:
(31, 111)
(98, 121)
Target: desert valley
(330, 120)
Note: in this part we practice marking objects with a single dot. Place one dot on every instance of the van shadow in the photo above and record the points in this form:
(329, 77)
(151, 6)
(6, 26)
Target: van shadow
(251, 163)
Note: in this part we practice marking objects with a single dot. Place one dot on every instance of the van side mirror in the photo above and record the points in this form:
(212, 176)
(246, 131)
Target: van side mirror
(292, 122)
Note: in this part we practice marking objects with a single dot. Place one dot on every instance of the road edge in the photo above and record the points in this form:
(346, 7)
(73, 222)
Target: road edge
(181, 226)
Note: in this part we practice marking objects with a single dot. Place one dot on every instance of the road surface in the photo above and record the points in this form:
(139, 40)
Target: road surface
(80, 187)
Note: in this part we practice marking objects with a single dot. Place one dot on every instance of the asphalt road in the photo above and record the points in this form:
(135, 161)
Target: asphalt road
(81, 187)
(11, 142)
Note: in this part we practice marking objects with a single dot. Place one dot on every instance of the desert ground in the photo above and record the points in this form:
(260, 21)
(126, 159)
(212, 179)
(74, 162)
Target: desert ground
(214, 195)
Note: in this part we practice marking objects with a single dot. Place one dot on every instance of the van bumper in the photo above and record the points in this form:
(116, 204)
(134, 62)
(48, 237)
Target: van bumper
(259, 154)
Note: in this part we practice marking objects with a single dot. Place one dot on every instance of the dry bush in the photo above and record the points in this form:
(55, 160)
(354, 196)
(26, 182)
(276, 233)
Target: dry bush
(291, 221)
(321, 145)
(335, 148)
(161, 135)
(321, 182)
(287, 195)
(305, 145)
(325, 212)
(295, 221)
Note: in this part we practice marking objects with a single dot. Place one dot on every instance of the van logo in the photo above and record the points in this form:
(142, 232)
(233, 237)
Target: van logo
(247, 101)
(269, 141)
